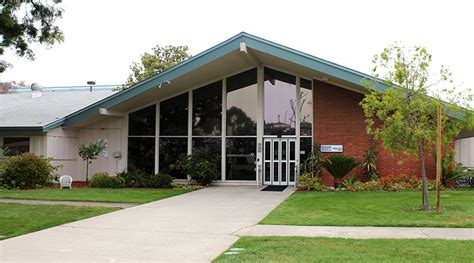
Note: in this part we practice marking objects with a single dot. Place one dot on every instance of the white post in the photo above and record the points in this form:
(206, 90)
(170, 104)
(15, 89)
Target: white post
(224, 131)
(260, 124)
(298, 116)
(190, 125)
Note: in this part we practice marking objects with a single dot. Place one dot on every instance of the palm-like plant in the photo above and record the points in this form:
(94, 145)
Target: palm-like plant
(339, 165)
(369, 163)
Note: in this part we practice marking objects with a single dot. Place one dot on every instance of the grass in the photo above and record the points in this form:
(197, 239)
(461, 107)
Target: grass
(16, 219)
(122, 195)
(312, 249)
(373, 209)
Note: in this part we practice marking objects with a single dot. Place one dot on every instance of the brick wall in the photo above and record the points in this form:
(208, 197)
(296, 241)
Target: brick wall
(339, 119)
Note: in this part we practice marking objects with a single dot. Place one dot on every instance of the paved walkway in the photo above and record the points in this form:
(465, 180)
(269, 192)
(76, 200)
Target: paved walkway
(74, 203)
(358, 232)
(193, 227)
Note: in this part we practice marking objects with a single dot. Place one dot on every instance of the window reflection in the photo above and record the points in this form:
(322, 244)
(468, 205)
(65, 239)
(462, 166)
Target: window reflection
(141, 154)
(240, 159)
(207, 109)
(280, 103)
(174, 116)
(212, 147)
(305, 148)
(171, 151)
(242, 103)
(16, 145)
(306, 108)
(142, 122)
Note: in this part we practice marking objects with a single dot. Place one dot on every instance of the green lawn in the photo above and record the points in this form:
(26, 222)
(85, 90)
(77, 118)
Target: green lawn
(16, 219)
(125, 195)
(373, 209)
(312, 249)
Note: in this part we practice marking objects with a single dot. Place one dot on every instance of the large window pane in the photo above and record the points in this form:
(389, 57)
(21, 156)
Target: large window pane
(240, 159)
(142, 122)
(171, 151)
(242, 103)
(207, 109)
(212, 148)
(16, 145)
(280, 103)
(141, 154)
(305, 148)
(174, 116)
(306, 108)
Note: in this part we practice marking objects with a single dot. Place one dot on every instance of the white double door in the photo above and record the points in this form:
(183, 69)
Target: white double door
(279, 161)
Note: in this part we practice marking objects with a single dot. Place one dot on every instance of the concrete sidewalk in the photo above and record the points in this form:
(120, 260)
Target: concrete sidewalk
(193, 227)
(359, 232)
(73, 203)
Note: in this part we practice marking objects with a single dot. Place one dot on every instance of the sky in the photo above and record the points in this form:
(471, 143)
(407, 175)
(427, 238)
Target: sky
(102, 38)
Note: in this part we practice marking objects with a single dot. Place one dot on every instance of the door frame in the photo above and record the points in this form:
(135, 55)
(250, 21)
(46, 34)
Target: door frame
(284, 163)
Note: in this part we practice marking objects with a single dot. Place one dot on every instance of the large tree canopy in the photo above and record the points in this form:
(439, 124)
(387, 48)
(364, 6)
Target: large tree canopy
(23, 22)
(160, 59)
(404, 116)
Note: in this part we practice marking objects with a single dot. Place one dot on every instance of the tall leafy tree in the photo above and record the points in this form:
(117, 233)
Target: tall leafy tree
(23, 22)
(404, 116)
(155, 62)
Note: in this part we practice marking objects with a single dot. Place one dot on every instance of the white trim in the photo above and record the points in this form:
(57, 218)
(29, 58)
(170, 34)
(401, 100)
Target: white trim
(190, 125)
(223, 129)
(298, 127)
(260, 124)
(125, 134)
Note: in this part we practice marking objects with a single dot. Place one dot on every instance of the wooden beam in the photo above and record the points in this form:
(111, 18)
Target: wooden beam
(111, 113)
(250, 55)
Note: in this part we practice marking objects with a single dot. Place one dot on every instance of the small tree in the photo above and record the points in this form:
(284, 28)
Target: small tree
(404, 115)
(89, 152)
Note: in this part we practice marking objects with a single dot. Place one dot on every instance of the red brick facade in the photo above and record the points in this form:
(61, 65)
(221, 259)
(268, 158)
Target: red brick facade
(339, 119)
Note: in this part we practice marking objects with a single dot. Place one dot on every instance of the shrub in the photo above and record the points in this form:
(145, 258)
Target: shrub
(397, 183)
(454, 172)
(200, 167)
(363, 187)
(369, 163)
(311, 183)
(27, 171)
(312, 164)
(348, 182)
(339, 165)
(141, 179)
(104, 180)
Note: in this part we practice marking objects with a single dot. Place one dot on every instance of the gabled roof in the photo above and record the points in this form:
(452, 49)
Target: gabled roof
(213, 53)
(21, 112)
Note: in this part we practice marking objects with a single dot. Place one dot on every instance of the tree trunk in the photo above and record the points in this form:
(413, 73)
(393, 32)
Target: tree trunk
(424, 183)
(87, 172)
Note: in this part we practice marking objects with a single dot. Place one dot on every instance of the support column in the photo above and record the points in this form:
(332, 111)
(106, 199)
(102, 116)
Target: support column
(297, 130)
(260, 124)
(223, 129)
(190, 125)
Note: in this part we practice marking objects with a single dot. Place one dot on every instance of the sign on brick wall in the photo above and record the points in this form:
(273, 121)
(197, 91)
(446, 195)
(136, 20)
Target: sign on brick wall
(332, 148)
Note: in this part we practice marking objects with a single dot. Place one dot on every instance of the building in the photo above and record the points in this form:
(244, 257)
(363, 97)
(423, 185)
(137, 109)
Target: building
(253, 105)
